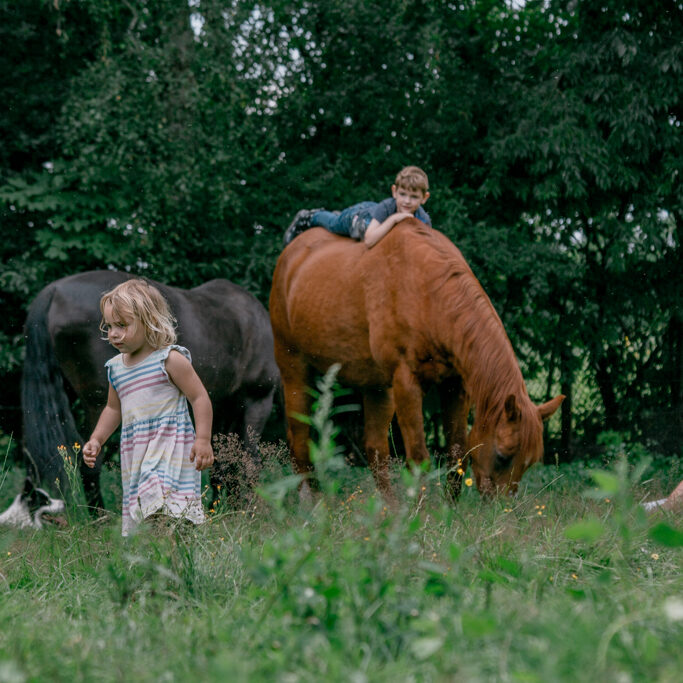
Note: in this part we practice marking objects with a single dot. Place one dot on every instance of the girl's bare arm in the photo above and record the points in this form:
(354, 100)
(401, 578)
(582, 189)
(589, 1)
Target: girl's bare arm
(184, 376)
(109, 420)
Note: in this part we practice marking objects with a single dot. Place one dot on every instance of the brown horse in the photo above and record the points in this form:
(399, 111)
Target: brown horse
(404, 315)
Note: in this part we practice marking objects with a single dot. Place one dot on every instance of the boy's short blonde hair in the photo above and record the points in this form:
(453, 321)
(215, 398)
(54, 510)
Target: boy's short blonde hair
(412, 178)
(143, 302)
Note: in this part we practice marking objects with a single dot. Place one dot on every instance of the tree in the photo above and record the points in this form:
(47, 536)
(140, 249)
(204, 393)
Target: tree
(179, 139)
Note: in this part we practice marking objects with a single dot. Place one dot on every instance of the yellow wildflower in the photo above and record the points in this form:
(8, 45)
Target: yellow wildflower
(468, 481)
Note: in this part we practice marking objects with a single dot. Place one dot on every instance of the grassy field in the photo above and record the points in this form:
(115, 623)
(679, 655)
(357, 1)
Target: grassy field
(569, 581)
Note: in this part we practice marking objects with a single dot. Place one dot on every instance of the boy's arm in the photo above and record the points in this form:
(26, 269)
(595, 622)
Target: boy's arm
(110, 419)
(376, 230)
(183, 375)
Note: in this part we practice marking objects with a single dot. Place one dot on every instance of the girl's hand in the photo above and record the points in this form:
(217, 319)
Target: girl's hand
(202, 454)
(90, 452)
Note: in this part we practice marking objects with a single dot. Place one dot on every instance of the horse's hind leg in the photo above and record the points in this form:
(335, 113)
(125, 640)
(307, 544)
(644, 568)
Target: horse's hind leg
(378, 408)
(295, 383)
(240, 471)
(256, 415)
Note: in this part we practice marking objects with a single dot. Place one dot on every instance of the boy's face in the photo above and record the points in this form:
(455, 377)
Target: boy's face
(408, 200)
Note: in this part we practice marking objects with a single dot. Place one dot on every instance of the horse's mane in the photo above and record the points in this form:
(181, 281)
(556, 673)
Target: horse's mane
(473, 330)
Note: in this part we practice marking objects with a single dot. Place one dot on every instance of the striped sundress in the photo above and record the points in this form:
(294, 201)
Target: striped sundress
(156, 440)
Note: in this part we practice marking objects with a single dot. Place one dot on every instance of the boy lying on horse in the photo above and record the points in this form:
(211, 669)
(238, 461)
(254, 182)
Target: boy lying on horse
(370, 221)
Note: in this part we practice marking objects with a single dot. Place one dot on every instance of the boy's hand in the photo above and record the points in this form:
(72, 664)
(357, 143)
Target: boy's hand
(90, 452)
(400, 216)
(202, 454)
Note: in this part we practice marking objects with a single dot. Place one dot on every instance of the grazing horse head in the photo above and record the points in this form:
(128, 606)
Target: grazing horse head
(506, 444)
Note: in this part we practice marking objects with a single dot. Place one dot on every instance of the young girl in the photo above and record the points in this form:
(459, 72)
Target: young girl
(150, 382)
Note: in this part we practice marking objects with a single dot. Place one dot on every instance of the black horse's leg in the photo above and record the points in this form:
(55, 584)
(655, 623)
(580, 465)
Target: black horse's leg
(256, 415)
(237, 472)
(91, 476)
(91, 487)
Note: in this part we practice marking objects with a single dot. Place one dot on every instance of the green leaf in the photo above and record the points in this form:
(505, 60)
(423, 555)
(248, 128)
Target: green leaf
(509, 566)
(666, 535)
(414, 524)
(423, 648)
(589, 530)
(492, 576)
(454, 552)
(608, 483)
(478, 625)
(277, 491)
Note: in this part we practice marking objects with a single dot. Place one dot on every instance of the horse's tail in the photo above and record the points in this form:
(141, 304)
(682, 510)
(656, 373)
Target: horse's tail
(48, 421)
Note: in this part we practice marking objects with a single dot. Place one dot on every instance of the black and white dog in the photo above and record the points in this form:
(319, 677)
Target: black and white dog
(32, 507)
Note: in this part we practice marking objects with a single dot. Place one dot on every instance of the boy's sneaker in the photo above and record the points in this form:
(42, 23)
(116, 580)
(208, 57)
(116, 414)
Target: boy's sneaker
(301, 222)
(358, 227)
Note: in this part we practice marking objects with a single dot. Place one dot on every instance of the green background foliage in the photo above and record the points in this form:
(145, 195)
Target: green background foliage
(176, 140)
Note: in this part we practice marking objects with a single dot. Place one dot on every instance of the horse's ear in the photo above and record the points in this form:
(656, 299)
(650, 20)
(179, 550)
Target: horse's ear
(545, 410)
(511, 409)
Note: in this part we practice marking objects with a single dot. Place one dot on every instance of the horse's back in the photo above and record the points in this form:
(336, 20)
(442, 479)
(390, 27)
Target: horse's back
(335, 300)
(317, 301)
(229, 329)
(226, 329)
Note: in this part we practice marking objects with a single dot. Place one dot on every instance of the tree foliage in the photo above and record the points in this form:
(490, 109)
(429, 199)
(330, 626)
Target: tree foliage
(176, 140)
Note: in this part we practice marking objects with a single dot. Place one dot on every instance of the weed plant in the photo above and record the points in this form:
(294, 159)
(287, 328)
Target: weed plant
(569, 581)
(71, 490)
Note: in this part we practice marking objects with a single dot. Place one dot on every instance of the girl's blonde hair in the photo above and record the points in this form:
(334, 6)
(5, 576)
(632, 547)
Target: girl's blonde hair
(145, 303)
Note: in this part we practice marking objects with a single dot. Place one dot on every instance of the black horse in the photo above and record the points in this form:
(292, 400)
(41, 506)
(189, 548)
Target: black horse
(226, 329)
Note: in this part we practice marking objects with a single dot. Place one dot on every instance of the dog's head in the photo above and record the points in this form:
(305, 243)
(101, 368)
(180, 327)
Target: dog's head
(32, 508)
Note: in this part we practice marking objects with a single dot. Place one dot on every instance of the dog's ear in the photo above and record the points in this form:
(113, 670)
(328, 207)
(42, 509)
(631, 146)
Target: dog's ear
(28, 487)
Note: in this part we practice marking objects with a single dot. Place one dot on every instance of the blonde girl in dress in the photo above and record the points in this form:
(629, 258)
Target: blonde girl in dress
(150, 384)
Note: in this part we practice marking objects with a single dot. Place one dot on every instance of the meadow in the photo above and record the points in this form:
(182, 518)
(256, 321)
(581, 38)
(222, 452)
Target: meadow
(568, 581)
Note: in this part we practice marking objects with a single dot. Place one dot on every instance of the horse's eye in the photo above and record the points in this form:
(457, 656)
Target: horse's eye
(501, 462)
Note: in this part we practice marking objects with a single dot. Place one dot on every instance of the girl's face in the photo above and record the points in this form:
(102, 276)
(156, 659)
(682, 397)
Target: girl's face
(125, 333)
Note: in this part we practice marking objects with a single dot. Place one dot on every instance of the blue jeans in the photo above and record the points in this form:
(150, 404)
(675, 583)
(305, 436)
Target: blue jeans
(343, 223)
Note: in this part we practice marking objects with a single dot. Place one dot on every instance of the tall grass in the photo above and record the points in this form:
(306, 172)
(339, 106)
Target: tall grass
(568, 581)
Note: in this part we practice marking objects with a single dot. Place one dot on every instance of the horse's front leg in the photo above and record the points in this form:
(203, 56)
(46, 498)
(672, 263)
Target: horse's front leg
(408, 400)
(455, 408)
(378, 408)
